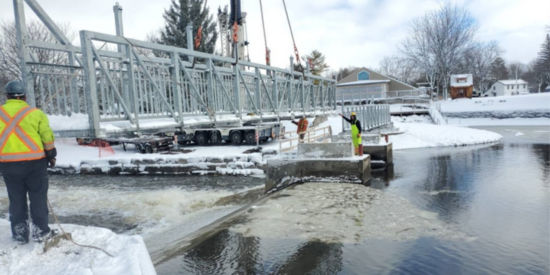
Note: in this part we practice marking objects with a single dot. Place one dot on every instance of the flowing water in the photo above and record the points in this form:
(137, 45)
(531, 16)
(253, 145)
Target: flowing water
(466, 210)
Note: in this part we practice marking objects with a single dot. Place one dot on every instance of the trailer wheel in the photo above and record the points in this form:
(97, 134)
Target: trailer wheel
(148, 149)
(201, 139)
(139, 148)
(215, 138)
(250, 137)
(236, 137)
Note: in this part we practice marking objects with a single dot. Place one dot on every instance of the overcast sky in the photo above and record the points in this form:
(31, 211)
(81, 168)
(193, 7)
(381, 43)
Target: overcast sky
(348, 32)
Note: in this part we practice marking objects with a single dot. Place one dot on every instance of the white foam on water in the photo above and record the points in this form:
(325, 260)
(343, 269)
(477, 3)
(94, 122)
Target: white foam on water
(342, 212)
(149, 209)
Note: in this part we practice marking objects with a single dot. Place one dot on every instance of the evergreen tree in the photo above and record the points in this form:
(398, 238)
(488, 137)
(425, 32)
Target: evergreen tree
(318, 63)
(542, 66)
(179, 15)
(499, 70)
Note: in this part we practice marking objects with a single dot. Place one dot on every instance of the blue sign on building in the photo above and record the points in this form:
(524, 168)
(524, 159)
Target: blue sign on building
(363, 76)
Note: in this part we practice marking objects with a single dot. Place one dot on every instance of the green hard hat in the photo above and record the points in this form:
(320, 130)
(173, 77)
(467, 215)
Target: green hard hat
(16, 88)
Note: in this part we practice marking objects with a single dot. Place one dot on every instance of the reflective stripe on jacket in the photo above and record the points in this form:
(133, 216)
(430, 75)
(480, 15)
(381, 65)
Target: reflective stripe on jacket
(24, 132)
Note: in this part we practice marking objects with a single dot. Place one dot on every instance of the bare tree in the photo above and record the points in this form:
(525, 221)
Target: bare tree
(478, 61)
(517, 69)
(438, 41)
(10, 67)
(399, 68)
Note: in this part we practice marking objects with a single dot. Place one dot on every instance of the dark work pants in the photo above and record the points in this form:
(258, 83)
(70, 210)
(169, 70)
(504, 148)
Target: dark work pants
(22, 178)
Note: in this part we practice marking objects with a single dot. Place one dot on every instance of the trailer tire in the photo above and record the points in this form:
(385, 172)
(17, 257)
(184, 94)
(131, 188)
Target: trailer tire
(215, 138)
(201, 138)
(236, 137)
(250, 137)
(148, 149)
(139, 148)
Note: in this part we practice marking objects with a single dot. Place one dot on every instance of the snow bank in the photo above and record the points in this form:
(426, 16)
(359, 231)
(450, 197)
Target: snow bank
(501, 103)
(418, 135)
(499, 122)
(130, 254)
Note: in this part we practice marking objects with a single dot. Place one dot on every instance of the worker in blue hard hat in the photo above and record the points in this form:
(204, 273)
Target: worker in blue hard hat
(26, 149)
(355, 132)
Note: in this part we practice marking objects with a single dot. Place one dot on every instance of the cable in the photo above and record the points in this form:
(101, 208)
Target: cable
(300, 67)
(69, 237)
(64, 233)
(267, 55)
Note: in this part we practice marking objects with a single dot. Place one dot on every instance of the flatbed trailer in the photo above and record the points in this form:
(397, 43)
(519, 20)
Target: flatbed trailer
(252, 134)
(236, 135)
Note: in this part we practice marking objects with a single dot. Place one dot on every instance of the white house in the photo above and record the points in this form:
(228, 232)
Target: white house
(508, 87)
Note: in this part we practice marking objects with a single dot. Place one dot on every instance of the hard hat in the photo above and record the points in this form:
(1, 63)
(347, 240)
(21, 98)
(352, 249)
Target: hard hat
(353, 114)
(16, 88)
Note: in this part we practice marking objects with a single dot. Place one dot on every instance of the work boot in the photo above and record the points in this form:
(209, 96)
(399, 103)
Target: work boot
(20, 240)
(44, 236)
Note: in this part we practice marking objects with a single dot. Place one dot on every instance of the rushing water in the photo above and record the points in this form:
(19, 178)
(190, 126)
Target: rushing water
(467, 210)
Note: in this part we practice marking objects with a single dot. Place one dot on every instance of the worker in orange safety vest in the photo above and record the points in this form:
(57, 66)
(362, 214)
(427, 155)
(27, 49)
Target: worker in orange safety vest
(302, 127)
(26, 149)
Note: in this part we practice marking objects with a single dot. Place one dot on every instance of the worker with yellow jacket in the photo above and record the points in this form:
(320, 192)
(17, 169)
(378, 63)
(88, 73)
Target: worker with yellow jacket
(355, 132)
(26, 148)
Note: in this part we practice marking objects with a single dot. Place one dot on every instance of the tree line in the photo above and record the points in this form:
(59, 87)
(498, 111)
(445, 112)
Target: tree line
(445, 42)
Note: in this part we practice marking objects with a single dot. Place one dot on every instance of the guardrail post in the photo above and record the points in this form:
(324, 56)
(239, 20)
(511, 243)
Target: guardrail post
(132, 89)
(275, 91)
(176, 82)
(302, 97)
(189, 32)
(24, 53)
(289, 88)
(90, 87)
(258, 91)
(236, 88)
(210, 86)
(321, 84)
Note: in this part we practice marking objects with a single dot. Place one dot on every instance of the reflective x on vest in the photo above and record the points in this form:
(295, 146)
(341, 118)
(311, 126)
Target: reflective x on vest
(12, 128)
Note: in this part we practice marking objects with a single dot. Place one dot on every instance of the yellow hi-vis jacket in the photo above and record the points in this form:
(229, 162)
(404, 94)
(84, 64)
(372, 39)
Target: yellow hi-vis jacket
(24, 132)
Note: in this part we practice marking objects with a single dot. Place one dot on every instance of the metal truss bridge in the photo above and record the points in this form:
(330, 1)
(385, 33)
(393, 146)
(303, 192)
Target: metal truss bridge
(111, 85)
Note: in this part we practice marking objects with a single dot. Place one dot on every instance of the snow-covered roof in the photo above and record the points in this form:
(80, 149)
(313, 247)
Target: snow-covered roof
(363, 82)
(513, 81)
(462, 80)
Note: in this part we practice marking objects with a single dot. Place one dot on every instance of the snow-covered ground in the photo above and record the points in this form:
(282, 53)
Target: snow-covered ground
(502, 103)
(130, 255)
(419, 131)
(419, 135)
(540, 121)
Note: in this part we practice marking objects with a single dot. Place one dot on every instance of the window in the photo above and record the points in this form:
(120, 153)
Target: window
(523, 86)
(363, 76)
(494, 88)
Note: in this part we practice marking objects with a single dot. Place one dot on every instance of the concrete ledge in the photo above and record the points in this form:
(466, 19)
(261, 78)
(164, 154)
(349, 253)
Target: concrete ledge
(379, 152)
(278, 169)
(326, 150)
(225, 165)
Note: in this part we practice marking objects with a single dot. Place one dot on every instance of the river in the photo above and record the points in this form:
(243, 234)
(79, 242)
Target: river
(461, 210)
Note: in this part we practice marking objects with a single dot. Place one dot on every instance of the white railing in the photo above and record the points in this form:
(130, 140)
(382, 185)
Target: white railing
(410, 93)
(435, 113)
(312, 135)
(370, 116)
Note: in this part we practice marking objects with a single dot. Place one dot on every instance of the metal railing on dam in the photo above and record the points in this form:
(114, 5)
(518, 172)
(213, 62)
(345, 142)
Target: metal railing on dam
(117, 80)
